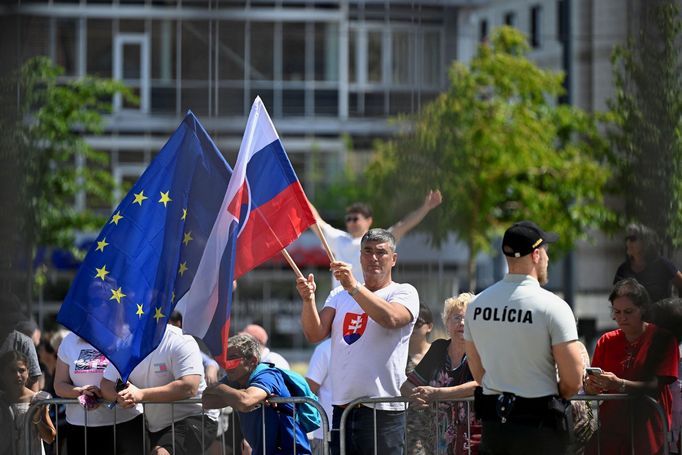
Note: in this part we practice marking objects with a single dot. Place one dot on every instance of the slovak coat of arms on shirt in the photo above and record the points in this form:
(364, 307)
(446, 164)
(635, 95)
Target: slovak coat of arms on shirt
(354, 326)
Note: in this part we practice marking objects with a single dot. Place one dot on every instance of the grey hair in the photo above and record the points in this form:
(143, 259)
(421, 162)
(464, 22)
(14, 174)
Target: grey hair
(380, 236)
(245, 345)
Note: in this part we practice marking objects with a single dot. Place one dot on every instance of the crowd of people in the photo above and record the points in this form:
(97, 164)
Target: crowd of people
(514, 348)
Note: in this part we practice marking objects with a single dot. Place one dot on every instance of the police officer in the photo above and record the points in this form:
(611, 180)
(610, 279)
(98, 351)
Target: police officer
(517, 335)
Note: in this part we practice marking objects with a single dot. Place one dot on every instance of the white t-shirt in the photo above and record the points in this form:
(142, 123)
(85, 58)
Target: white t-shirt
(276, 359)
(176, 356)
(318, 371)
(367, 359)
(345, 248)
(86, 366)
(514, 324)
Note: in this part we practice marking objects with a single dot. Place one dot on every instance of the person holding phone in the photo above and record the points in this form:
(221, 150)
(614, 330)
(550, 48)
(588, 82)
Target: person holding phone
(636, 359)
(78, 374)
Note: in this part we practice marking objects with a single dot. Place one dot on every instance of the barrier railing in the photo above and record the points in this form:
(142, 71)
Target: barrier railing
(594, 399)
(205, 445)
(469, 400)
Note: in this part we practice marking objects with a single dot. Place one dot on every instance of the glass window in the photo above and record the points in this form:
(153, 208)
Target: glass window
(99, 47)
(327, 102)
(231, 51)
(231, 101)
(194, 98)
(131, 26)
(510, 18)
(431, 67)
(402, 103)
(262, 45)
(132, 68)
(352, 55)
(162, 98)
(164, 55)
(293, 102)
(374, 105)
(535, 29)
(483, 30)
(327, 52)
(195, 50)
(34, 36)
(401, 58)
(374, 56)
(293, 51)
(65, 45)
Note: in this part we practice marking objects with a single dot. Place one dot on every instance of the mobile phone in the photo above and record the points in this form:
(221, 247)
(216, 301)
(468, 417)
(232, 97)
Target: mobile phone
(593, 370)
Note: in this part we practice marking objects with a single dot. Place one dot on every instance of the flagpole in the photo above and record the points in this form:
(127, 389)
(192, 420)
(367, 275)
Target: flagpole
(316, 227)
(291, 262)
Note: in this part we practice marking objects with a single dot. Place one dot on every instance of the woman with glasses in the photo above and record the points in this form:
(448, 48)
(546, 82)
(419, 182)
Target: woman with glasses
(443, 374)
(636, 359)
(644, 263)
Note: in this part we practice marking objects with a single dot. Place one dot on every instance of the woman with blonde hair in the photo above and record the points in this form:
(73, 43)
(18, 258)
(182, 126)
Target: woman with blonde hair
(443, 374)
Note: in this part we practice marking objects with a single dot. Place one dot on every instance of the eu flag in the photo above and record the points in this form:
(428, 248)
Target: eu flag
(146, 256)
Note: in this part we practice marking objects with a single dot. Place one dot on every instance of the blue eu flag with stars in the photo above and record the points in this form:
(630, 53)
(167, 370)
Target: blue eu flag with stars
(145, 257)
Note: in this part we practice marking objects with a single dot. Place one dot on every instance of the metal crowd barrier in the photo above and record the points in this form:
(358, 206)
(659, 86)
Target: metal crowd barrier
(205, 445)
(469, 400)
(344, 417)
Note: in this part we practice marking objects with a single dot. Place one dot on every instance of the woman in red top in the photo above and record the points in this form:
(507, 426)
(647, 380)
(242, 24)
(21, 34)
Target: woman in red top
(637, 359)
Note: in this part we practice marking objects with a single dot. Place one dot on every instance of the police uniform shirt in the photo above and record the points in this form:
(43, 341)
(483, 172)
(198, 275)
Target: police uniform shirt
(514, 325)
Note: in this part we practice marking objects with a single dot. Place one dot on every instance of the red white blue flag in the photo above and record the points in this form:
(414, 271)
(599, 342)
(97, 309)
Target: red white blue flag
(263, 211)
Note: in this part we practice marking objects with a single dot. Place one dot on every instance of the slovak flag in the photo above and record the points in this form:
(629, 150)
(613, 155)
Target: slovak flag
(264, 210)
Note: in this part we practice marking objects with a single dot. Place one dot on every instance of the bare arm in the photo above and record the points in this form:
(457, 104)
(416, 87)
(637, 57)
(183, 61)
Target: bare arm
(317, 216)
(314, 386)
(180, 389)
(387, 314)
(45, 426)
(222, 395)
(65, 388)
(402, 227)
(108, 389)
(609, 382)
(34, 383)
(570, 364)
(474, 360)
(316, 325)
(429, 393)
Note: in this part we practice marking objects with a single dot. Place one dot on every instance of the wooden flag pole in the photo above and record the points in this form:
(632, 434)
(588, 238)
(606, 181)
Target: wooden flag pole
(316, 227)
(291, 262)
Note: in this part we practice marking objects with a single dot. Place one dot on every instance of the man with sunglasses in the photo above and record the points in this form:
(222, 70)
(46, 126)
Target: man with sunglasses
(246, 389)
(346, 244)
(369, 320)
(517, 335)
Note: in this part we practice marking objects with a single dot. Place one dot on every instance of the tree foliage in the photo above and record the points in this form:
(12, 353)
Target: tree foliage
(56, 117)
(647, 112)
(50, 161)
(500, 149)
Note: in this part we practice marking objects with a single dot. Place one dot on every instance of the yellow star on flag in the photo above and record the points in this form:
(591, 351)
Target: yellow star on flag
(158, 314)
(102, 272)
(139, 311)
(187, 238)
(116, 218)
(139, 197)
(183, 268)
(173, 297)
(164, 198)
(117, 295)
(101, 245)
(184, 214)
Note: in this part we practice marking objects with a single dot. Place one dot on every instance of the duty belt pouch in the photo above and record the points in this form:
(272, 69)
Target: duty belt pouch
(561, 413)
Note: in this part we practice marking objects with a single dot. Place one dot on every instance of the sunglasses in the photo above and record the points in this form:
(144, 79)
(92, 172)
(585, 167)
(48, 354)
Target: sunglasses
(352, 218)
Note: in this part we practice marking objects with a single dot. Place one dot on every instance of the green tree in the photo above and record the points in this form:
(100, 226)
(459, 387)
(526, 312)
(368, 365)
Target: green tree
(500, 149)
(647, 111)
(54, 162)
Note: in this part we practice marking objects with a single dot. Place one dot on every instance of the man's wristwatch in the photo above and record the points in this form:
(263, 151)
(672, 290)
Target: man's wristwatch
(355, 289)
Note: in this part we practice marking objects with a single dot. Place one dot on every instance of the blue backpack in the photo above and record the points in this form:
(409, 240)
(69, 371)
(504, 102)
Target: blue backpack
(307, 414)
